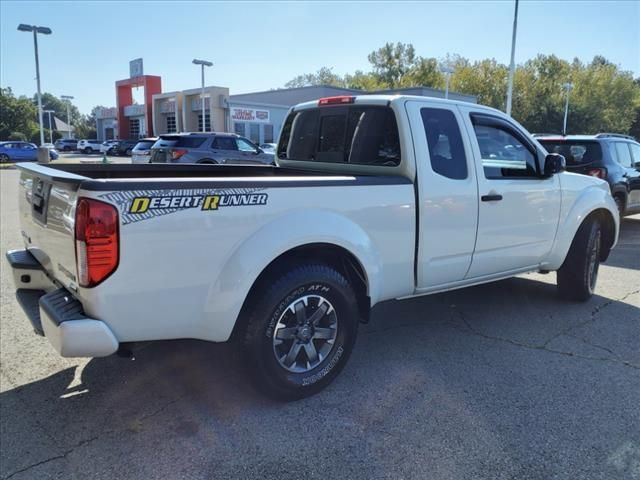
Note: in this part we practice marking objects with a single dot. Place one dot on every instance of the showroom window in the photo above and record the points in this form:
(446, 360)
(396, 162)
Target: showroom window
(171, 124)
(268, 133)
(254, 132)
(134, 128)
(207, 123)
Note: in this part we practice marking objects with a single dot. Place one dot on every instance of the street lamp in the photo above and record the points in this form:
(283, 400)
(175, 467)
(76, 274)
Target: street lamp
(50, 129)
(568, 87)
(36, 30)
(512, 65)
(203, 63)
(68, 99)
(447, 73)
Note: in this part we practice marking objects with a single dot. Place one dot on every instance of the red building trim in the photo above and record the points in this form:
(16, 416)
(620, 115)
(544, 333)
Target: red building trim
(152, 85)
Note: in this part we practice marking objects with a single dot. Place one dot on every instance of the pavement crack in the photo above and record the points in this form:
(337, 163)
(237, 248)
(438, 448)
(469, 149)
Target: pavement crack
(544, 347)
(51, 459)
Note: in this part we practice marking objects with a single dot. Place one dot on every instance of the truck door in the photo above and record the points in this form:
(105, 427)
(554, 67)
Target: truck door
(447, 193)
(518, 209)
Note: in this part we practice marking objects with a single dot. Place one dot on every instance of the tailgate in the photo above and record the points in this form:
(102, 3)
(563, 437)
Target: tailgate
(47, 200)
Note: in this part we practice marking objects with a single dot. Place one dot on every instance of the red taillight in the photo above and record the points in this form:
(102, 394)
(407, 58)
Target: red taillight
(97, 240)
(177, 153)
(336, 100)
(598, 172)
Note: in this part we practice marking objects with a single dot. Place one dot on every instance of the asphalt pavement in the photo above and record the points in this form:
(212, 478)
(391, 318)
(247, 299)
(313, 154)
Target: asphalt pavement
(500, 381)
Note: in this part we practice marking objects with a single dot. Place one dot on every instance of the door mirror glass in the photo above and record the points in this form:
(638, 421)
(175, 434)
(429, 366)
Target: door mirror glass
(554, 163)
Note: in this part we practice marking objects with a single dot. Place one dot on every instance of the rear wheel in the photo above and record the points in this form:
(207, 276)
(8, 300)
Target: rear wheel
(88, 150)
(578, 274)
(4, 158)
(128, 152)
(300, 331)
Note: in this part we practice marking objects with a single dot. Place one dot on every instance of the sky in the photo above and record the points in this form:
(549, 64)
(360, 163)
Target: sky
(258, 46)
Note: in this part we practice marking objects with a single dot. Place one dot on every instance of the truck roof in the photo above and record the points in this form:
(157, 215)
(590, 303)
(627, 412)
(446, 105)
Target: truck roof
(385, 99)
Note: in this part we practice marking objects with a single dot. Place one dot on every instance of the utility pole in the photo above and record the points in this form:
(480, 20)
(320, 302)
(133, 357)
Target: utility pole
(512, 65)
(203, 63)
(568, 87)
(45, 31)
(67, 99)
(50, 125)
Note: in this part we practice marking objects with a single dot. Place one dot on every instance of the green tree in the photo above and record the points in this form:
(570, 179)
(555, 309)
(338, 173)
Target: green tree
(17, 115)
(324, 76)
(392, 63)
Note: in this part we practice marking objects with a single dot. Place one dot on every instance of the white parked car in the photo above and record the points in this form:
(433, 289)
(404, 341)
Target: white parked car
(424, 195)
(268, 147)
(89, 146)
(107, 146)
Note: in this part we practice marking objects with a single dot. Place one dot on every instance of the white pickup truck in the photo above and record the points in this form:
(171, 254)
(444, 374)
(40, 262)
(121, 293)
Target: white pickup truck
(375, 198)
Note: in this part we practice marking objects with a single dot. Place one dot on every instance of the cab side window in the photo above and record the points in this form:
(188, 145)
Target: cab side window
(506, 153)
(224, 143)
(245, 146)
(445, 143)
(635, 154)
(624, 155)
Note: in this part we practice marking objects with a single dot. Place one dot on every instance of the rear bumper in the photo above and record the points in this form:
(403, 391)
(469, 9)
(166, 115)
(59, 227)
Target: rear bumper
(56, 314)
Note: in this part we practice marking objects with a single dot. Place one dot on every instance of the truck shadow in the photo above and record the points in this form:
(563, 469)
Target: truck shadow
(192, 391)
(625, 255)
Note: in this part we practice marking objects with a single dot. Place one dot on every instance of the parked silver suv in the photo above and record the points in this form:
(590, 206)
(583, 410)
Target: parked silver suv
(224, 148)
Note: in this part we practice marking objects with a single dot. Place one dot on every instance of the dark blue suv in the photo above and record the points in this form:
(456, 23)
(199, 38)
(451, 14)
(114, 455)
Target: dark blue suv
(610, 156)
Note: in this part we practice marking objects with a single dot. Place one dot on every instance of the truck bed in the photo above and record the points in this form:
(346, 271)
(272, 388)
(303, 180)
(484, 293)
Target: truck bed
(126, 176)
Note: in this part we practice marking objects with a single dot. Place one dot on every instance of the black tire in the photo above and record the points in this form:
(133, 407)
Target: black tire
(87, 151)
(127, 152)
(269, 311)
(4, 158)
(578, 274)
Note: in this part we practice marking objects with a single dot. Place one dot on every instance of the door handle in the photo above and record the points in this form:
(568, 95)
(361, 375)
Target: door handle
(491, 198)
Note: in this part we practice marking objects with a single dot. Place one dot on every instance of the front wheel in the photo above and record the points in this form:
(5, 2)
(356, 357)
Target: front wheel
(88, 150)
(4, 158)
(578, 274)
(300, 331)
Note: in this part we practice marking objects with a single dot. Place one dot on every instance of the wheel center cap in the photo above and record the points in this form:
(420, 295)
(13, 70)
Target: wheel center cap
(304, 333)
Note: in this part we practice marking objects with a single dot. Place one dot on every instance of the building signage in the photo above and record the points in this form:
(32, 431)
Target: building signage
(135, 68)
(249, 115)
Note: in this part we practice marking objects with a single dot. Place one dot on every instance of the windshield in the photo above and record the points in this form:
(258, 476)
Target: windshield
(575, 152)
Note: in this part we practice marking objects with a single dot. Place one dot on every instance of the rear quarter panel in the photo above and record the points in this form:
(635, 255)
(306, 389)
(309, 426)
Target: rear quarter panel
(185, 272)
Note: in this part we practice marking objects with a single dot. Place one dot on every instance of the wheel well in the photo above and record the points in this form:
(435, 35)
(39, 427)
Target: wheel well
(608, 227)
(206, 160)
(336, 257)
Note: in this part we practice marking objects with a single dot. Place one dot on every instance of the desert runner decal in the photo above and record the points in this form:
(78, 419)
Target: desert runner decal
(135, 206)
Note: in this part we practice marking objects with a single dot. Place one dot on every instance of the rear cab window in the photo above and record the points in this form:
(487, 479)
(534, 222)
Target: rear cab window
(354, 134)
(575, 152)
(179, 141)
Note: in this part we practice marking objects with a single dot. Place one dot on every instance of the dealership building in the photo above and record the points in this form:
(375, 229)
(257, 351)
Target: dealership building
(258, 116)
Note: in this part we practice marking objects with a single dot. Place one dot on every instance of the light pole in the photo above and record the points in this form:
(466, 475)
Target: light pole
(447, 73)
(50, 129)
(203, 63)
(512, 65)
(568, 87)
(45, 31)
(67, 99)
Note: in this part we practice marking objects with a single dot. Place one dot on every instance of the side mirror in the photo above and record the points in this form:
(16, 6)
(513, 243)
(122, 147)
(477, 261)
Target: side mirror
(554, 163)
